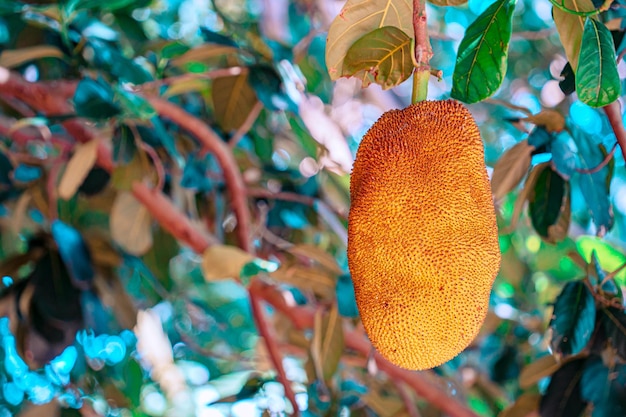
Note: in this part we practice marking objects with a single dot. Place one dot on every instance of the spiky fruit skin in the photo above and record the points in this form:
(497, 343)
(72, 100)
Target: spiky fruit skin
(422, 236)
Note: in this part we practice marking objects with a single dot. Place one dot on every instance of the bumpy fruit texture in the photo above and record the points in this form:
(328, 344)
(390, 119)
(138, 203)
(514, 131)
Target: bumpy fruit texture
(422, 235)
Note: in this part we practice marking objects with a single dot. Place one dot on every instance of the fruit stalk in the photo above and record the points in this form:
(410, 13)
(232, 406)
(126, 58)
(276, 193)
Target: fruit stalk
(423, 52)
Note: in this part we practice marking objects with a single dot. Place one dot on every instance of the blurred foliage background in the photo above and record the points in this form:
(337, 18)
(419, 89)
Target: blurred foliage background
(166, 326)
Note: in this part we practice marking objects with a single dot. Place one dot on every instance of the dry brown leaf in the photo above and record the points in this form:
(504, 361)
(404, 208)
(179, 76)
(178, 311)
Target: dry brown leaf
(552, 120)
(525, 406)
(17, 57)
(316, 280)
(523, 196)
(510, 169)
(318, 255)
(78, 168)
(131, 224)
(534, 372)
(222, 262)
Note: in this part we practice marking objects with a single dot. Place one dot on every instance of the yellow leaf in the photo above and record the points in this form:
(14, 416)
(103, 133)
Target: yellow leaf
(78, 168)
(16, 57)
(221, 262)
(552, 120)
(359, 17)
(318, 255)
(536, 371)
(510, 169)
(524, 406)
(570, 27)
(307, 279)
(131, 224)
(233, 100)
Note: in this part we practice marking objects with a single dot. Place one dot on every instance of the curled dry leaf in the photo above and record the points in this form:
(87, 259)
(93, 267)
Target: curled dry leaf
(523, 196)
(510, 169)
(222, 262)
(552, 120)
(78, 168)
(131, 224)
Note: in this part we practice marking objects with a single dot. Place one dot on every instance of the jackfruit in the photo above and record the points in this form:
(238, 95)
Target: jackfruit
(422, 236)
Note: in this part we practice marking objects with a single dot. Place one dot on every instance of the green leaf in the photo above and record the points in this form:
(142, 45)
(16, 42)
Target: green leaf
(133, 376)
(573, 319)
(94, 99)
(597, 79)
(605, 388)
(549, 206)
(359, 17)
(482, 58)
(134, 105)
(609, 258)
(233, 100)
(382, 56)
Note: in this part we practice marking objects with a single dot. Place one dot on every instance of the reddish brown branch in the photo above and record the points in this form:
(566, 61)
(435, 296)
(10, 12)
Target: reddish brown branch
(614, 114)
(168, 216)
(601, 165)
(421, 382)
(214, 144)
(423, 49)
(272, 348)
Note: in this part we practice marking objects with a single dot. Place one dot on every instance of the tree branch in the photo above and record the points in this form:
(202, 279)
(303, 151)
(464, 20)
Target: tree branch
(213, 143)
(614, 114)
(421, 382)
(423, 52)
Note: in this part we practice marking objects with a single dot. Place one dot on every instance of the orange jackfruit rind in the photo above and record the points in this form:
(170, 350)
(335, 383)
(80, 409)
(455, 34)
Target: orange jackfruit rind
(422, 235)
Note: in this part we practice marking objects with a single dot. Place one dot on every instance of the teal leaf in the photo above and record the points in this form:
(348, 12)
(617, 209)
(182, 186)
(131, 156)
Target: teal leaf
(563, 398)
(597, 79)
(605, 388)
(594, 186)
(482, 59)
(94, 99)
(548, 202)
(564, 158)
(573, 319)
(614, 322)
(346, 300)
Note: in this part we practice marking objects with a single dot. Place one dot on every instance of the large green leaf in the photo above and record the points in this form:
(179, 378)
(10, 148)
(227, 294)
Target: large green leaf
(549, 206)
(382, 56)
(573, 319)
(482, 59)
(359, 17)
(608, 257)
(597, 79)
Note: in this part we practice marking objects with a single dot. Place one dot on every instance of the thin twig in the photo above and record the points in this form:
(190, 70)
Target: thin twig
(272, 349)
(214, 144)
(601, 165)
(499, 102)
(158, 164)
(247, 124)
(409, 404)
